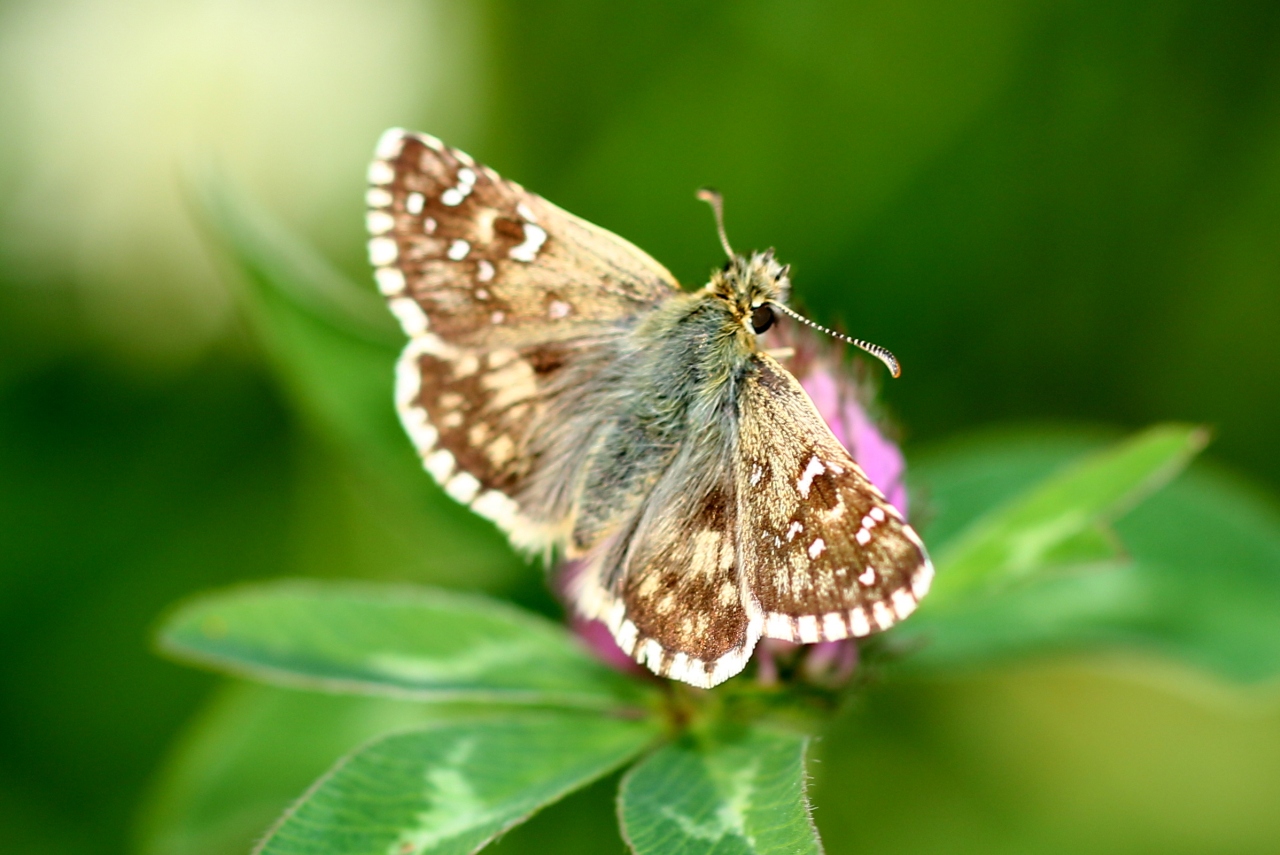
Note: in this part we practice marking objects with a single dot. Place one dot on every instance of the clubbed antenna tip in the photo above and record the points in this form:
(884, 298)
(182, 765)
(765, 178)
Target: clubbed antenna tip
(890, 361)
(716, 201)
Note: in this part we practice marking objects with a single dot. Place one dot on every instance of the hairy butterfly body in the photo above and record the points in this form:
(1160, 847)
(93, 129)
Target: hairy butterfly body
(559, 382)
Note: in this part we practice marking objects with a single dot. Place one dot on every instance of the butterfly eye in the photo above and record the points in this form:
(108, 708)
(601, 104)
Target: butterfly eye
(762, 318)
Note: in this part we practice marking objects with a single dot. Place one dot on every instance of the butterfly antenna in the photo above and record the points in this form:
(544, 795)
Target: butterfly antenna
(716, 201)
(890, 361)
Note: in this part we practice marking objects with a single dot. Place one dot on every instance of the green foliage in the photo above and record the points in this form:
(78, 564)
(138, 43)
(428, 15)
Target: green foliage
(253, 750)
(450, 789)
(399, 642)
(1042, 544)
(1060, 522)
(734, 793)
(1191, 571)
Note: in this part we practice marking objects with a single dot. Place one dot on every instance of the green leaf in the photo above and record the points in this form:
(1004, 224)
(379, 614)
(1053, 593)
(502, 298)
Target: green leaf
(729, 793)
(1192, 572)
(251, 752)
(396, 641)
(1035, 529)
(956, 482)
(451, 789)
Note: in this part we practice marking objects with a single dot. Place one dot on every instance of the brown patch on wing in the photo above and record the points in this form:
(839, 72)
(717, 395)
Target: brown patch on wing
(681, 585)
(828, 556)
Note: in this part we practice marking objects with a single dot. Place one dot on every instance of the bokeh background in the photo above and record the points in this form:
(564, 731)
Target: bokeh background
(1054, 213)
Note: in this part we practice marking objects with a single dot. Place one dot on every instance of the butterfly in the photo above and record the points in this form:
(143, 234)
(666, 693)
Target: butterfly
(558, 381)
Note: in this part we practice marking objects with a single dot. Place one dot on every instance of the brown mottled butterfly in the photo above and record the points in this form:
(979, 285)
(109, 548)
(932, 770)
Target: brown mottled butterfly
(558, 381)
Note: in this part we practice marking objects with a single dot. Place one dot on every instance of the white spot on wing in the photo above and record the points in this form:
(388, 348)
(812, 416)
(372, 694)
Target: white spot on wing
(884, 617)
(414, 203)
(816, 548)
(523, 210)
(390, 280)
(921, 581)
(650, 654)
(813, 470)
(390, 143)
(380, 172)
(484, 271)
(464, 366)
(440, 464)
(779, 626)
(421, 432)
(679, 668)
(559, 309)
(408, 381)
(534, 237)
(377, 197)
(795, 529)
(863, 536)
(878, 513)
(501, 357)
(412, 319)
(858, 622)
(497, 507)
(626, 637)
(382, 251)
(614, 614)
(868, 576)
(834, 627)
(903, 603)
(458, 249)
(451, 197)
(463, 487)
(807, 627)
(378, 222)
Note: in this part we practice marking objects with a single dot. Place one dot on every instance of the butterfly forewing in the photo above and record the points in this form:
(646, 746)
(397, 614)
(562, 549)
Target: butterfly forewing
(828, 556)
(479, 262)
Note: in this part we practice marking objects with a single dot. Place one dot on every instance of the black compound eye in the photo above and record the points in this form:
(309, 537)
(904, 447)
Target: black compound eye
(762, 318)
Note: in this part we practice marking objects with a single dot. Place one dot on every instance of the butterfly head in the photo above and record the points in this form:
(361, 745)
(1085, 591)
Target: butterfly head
(756, 290)
(752, 286)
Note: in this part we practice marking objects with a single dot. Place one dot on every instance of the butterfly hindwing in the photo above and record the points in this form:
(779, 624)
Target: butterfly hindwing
(670, 587)
(829, 557)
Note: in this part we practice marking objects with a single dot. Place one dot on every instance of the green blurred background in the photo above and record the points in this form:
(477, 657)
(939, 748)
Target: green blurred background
(1052, 212)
